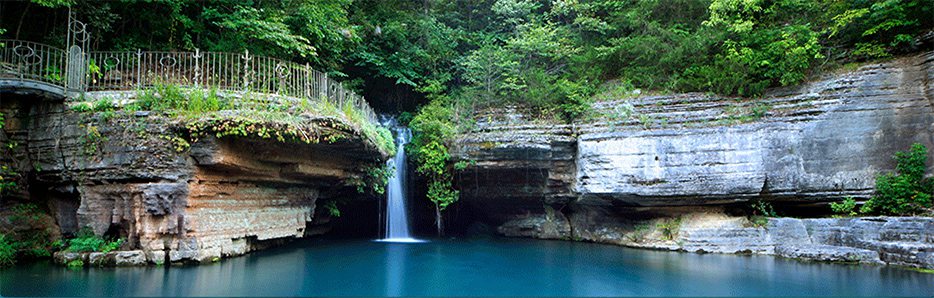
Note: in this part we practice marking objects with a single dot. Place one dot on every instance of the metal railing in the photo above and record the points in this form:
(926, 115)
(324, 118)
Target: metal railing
(78, 71)
(26, 60)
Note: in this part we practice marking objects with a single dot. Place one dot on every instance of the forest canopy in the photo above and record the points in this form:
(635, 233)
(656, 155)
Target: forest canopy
(442, 59)
(551, 54)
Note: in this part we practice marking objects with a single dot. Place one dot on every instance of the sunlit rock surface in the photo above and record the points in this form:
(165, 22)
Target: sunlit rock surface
(816, 142)
(615, 177)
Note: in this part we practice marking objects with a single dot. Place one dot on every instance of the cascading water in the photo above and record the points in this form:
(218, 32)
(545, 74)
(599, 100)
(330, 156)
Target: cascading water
(397, 220)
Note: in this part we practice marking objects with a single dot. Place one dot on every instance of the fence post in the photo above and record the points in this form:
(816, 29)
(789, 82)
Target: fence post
(197, 71)
(309, 76)
(247, 72)
(139, 69)
(280, 72)
(325, 87)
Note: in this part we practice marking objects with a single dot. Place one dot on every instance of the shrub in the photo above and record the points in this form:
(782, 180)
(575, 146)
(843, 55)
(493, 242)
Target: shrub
(669, 228)
(8, 178)
(7, 251)
(75, 264)
(761, 211)
(763, 208)
(846, 208)
(103, 104)
(24, 214)
(331, 206)
(638, 234)
(905, 192)
(86, 241)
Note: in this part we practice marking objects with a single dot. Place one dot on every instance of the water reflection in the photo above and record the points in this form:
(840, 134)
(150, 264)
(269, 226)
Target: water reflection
(470, 267)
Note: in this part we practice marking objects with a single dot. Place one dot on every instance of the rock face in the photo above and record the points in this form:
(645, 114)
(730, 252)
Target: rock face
(646, 158)
(816, 142)
(130, 177)
(904, 241)
(822, 140)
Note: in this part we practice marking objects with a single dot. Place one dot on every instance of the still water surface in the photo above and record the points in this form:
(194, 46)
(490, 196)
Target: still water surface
(471, 267)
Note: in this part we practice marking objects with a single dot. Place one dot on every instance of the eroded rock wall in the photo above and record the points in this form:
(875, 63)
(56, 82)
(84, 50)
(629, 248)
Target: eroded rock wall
(812, 143)
(903, 241)
(128, 176)
(816, 142)
(645, 159)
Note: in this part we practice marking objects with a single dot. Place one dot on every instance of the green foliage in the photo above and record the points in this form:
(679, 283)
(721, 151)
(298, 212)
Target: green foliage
(375, 179)
(8, 179)
(431, 128)
(33, 241)
(882, 28)
(75, 264)
(92, 140)
(24, 214)
(178, 143)
(763, 208)
(255, 24)
(442, 193)
(638, 234)
(767, 44)
(906, 191)
(331, 206)
(847, 207)
(669, 228)
(54, 3)
(54, 74)
(463, 164)
(87, 241)
(103, 104)
(7, 251)
(205, 114)
(761, 212)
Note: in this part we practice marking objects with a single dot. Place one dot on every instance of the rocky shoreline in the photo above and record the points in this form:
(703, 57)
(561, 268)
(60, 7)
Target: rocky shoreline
(902, 241)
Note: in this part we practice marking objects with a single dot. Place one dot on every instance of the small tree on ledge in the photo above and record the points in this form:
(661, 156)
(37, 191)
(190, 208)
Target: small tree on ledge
(905, 192)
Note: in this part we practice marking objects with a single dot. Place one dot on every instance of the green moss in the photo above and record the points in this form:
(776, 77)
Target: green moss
(75, 264)
(922, 270)
(179, 144)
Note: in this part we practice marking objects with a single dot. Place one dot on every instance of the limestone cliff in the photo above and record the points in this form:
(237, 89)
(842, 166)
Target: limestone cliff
(657, 156)
(816, 142)
(131, 176)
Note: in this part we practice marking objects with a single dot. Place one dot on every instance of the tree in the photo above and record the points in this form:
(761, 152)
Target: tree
(906, 191)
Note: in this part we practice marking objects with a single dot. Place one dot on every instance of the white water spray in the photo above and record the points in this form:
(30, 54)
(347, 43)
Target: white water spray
(397, 220)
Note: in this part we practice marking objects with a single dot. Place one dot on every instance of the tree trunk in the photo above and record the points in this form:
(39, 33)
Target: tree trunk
(21, 18)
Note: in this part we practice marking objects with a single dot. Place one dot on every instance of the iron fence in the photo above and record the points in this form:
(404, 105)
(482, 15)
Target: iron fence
(25, 60)
(78, 71)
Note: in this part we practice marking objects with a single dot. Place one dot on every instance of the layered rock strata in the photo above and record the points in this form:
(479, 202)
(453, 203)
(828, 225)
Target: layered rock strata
(130, 176)
(903, 241)
(655, 156)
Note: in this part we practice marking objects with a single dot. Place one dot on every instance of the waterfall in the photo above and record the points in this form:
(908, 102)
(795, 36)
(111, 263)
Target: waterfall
(397, 220)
